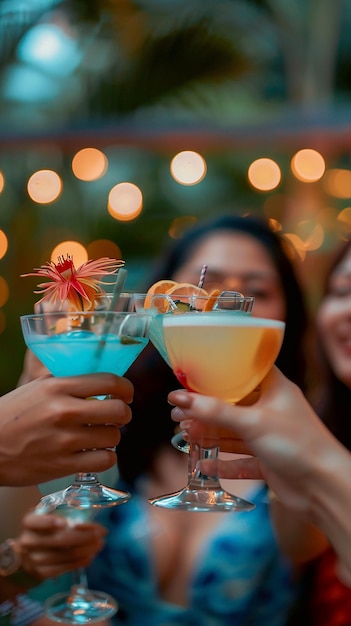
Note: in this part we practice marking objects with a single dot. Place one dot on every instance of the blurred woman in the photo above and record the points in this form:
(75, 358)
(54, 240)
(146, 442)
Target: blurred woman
(329, 599)
(204, 568)
(190, 568)
(243, 254)
(327, 596)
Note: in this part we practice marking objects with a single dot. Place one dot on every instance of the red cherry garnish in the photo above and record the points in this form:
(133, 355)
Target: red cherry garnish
(182, 379)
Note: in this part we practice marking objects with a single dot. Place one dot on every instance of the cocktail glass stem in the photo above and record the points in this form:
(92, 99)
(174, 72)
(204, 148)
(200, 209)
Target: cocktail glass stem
(79, 588)
(196, 477)
(203, 493)
(80, 605)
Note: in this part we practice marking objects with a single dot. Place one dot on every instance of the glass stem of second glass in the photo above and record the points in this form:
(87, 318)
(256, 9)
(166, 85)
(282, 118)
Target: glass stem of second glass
(196, 478)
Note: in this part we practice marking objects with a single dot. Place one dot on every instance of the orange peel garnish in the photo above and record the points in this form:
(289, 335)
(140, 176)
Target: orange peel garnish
(187, 293)
(209, 304)
(158, 288)
(185, 290)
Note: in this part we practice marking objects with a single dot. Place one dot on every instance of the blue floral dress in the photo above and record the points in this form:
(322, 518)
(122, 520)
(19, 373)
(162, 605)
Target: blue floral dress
(240, 578)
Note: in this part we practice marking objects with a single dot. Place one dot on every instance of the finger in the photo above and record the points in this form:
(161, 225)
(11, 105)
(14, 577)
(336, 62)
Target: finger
(95, 412)
(50, 570)
(100, 384)
(87, 461)
(240, 420)
(90, 437)
(238, 468)
(228, 440)
(44, 524)
(49, 565)
(52, 530)
(106, 411)
(196, 406)
(62, 546)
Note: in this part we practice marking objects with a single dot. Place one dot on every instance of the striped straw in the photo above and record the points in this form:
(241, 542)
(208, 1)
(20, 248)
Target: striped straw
(202, 276)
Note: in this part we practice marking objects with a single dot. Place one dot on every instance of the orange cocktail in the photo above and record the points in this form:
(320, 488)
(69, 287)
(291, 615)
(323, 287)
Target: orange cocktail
(223, 354)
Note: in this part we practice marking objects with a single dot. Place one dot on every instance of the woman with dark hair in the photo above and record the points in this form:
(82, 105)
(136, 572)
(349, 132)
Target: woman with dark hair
(332, 395)
(329, 599)
(309, 468)
(191, 568)
(181, 261)
(242, 254)
(176, 567)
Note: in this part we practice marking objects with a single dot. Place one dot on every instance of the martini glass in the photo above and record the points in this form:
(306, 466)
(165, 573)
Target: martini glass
(69, 344)
(159, 305)
(202, 493)
(225, 354)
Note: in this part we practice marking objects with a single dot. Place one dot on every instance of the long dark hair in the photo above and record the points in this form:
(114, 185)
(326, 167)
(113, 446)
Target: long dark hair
(332, 399)
(151, 426)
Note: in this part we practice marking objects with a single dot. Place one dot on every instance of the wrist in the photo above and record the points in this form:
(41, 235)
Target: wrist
(13, 578)
(10, 557)
(330, 497)
(330, 481)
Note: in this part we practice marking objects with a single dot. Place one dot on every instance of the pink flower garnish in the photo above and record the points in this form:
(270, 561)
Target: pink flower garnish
(75, 286)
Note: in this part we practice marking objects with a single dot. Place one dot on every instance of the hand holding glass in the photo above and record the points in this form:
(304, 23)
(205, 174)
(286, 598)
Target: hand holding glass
(226, 354)
(70, 344)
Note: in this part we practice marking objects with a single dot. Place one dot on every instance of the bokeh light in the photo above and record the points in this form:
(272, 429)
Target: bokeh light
(75, 249)
(89, 164)
(2, 321)
(44, 186)
(297, 245)
(337, 183)
(188, 167)
(345, 217)
(309, 236)
(2, 182)
(312, 235)
(264, 174)
(4, 291)
(125, 202)
(275, 225)
(103, 247)
(180, 225)
(308, 165)
(4, 244)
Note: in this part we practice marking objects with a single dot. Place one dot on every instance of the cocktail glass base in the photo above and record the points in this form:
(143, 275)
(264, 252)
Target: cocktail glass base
(80, 607)
(204, 500)
(85, 494)
(96, 497)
